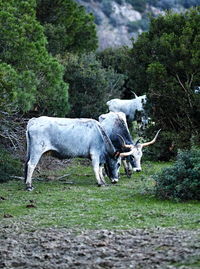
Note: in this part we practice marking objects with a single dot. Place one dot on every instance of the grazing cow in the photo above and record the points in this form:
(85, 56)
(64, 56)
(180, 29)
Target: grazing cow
(71, 138)
(129, 107)
(136, 152)
(116, 128)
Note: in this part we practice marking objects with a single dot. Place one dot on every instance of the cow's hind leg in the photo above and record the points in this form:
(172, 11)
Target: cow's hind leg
(29, 169)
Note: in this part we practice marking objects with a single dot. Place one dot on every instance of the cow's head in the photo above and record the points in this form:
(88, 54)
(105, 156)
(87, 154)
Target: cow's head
(112, 158)
(136, 153)
(140, 101)
(112, 166)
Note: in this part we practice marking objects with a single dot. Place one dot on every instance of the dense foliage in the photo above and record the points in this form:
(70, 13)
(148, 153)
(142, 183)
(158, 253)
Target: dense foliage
(165, 63)
(182, 180)
(9, 166)
(68, 27)
(118, 59)
(91, 85)
(31, 79)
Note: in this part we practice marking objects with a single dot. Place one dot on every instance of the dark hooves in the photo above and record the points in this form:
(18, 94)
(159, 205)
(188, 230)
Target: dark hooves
(102, 185)
(29, 188)
(129, 175)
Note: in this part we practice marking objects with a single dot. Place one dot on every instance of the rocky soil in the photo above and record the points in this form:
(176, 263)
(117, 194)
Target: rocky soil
(63, 248)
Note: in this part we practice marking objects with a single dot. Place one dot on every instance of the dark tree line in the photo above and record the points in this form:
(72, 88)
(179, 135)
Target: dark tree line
(166, 64)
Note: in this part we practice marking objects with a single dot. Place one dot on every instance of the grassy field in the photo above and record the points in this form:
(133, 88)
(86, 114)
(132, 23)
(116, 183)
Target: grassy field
(77, 202)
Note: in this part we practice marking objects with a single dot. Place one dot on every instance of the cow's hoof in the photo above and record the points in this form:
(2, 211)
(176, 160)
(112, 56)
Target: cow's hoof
(30, 188)
(129, 173)
(101, 184)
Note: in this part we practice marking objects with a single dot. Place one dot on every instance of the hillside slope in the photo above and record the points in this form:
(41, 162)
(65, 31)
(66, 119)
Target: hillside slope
(120, 20)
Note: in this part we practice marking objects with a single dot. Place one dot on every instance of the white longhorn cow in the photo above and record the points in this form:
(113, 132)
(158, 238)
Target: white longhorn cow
(116, 128)
(128, 107)
(71, 138)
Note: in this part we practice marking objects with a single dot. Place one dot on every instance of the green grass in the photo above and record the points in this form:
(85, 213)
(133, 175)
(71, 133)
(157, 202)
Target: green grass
(192, 262)
(77, 202)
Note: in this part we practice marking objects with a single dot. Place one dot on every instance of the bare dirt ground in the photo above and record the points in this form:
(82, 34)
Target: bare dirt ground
(63, 248)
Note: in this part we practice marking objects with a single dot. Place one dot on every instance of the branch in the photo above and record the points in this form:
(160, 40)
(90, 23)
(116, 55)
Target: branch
(177, 76)
(191, 80)
(186, 91)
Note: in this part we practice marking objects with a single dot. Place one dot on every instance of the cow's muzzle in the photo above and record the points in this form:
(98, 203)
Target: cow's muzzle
(137, 169)
(114, 180)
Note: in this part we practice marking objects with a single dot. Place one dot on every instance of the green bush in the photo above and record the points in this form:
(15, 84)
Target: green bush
(9, 166)
(31, 80)
(182, 180)
(91, 85)
(67, 25)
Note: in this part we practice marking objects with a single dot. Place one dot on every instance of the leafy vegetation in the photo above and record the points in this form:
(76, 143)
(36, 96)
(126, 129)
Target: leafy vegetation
(31, 79)
(9, 166)
(91, 85)
(182, 180)
(165, 64)
(76, 202)
(68, 27)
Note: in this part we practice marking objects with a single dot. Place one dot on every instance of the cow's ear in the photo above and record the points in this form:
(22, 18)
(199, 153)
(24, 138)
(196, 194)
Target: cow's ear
(137, 142)
(117, 154)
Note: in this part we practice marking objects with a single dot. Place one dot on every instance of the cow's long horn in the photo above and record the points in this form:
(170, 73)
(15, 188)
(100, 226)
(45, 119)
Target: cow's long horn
(152, 141)
(124, 145)
(137, 142)
(128, 153)
(134, 94)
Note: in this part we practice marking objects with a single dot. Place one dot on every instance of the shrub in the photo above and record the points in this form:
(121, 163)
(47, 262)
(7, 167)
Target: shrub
(182, 180)
(9, 166)
(31, 80)
(91, 85)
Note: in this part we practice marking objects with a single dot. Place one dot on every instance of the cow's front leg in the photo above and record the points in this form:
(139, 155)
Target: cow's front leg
(101, 170)
(99, 175)
(127, 167)
(98, 171)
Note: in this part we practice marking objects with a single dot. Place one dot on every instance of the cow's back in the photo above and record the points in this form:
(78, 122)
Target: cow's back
(69, 137)
(117, 105)
(115, 124)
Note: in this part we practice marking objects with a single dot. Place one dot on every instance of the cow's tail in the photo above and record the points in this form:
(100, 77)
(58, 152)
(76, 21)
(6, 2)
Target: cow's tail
(27, 154)
(109, 103)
